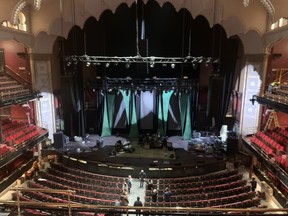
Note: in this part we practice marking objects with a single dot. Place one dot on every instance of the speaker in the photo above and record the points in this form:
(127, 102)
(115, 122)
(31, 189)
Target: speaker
(215, 96)
(232, 145)
(59, 140)
(69, 94)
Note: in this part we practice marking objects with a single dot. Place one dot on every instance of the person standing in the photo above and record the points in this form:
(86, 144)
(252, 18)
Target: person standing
(129, 183)
(253, 184)
(142, 176)
(138, 203)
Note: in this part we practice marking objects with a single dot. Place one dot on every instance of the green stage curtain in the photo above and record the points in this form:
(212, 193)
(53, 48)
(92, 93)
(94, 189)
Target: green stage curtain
(134, 124)
(185, 107)
(163, 107)
(108, 115)
(126, 97)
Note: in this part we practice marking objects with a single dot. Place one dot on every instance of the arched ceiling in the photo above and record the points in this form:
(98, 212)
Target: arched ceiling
(57, 17)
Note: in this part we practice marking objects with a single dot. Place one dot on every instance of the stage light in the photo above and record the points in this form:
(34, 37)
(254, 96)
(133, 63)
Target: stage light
(194, 66)
(127, 65)
(152, 64)
(172, 65)
(107, 64)
(88, 64)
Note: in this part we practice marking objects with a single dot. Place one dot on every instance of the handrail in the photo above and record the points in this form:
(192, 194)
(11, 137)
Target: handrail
(18, 77)
(144, 210)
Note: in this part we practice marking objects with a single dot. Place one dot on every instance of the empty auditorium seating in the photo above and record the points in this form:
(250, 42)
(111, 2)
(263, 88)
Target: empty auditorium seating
(10, 88)
(212, 190)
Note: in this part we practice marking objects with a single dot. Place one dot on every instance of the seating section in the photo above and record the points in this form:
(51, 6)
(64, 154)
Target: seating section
(225, 189)
(274, 144)
(279, 94)
(10, 88)
(90, 188)
(17, 134)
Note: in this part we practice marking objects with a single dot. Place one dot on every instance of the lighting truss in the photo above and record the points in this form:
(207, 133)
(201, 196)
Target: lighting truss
(139, 59)
(147, 84)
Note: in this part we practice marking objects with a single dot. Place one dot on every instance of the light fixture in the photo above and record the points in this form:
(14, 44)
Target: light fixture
(88, 63)
(128, 60)
(127, 65)
(107, 64)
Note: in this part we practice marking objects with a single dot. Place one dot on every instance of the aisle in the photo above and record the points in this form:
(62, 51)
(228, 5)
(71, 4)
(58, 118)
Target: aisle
(136, 191)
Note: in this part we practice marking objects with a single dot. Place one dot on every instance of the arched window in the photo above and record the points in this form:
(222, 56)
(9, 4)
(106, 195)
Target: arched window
(22, 26)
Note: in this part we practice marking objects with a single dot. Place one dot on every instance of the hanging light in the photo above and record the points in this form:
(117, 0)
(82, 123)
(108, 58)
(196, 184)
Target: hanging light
(172, 65)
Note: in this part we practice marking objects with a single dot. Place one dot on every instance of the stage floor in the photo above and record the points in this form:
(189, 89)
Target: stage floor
(140, 157)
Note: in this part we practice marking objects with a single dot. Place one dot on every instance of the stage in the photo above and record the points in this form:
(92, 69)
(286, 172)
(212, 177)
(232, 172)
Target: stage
(86, 155)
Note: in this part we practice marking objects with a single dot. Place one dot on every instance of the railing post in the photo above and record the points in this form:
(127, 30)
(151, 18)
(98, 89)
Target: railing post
(69, 204)
(18, 203)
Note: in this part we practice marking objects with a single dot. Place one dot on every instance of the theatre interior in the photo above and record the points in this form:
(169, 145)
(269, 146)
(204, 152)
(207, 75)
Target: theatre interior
(192, 93)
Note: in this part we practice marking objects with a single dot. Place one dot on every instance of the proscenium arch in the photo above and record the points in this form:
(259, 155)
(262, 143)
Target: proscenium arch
(62, 28)
(114, 35)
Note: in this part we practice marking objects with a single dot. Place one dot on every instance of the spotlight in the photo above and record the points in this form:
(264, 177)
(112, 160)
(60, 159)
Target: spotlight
(88, 64)
(172, 65)
(68, 63)
(194, 66)
(152, 64)
(107, 64)
(127, 65)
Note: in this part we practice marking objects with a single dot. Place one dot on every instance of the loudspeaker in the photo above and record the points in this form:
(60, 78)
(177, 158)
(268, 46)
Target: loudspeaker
(232, 145)
(59, 140)
(69, 94)
(215, 96)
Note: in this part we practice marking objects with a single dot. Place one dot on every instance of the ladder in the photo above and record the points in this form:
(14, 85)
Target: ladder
(272, 119)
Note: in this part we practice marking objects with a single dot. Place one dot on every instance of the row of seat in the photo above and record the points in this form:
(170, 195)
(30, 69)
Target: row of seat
(11, 126)
(262, 145)
(85, 180)
(4, 150)
(11, 88)
(201, 196)
(213, 176)
(81, 196)
(77, 172)
(282, 140)
(276, 97)
(207, 203)
(76, 184)
(282, 131)
(203, 183)
(283, 161)
(85, 194)
(270, 141)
